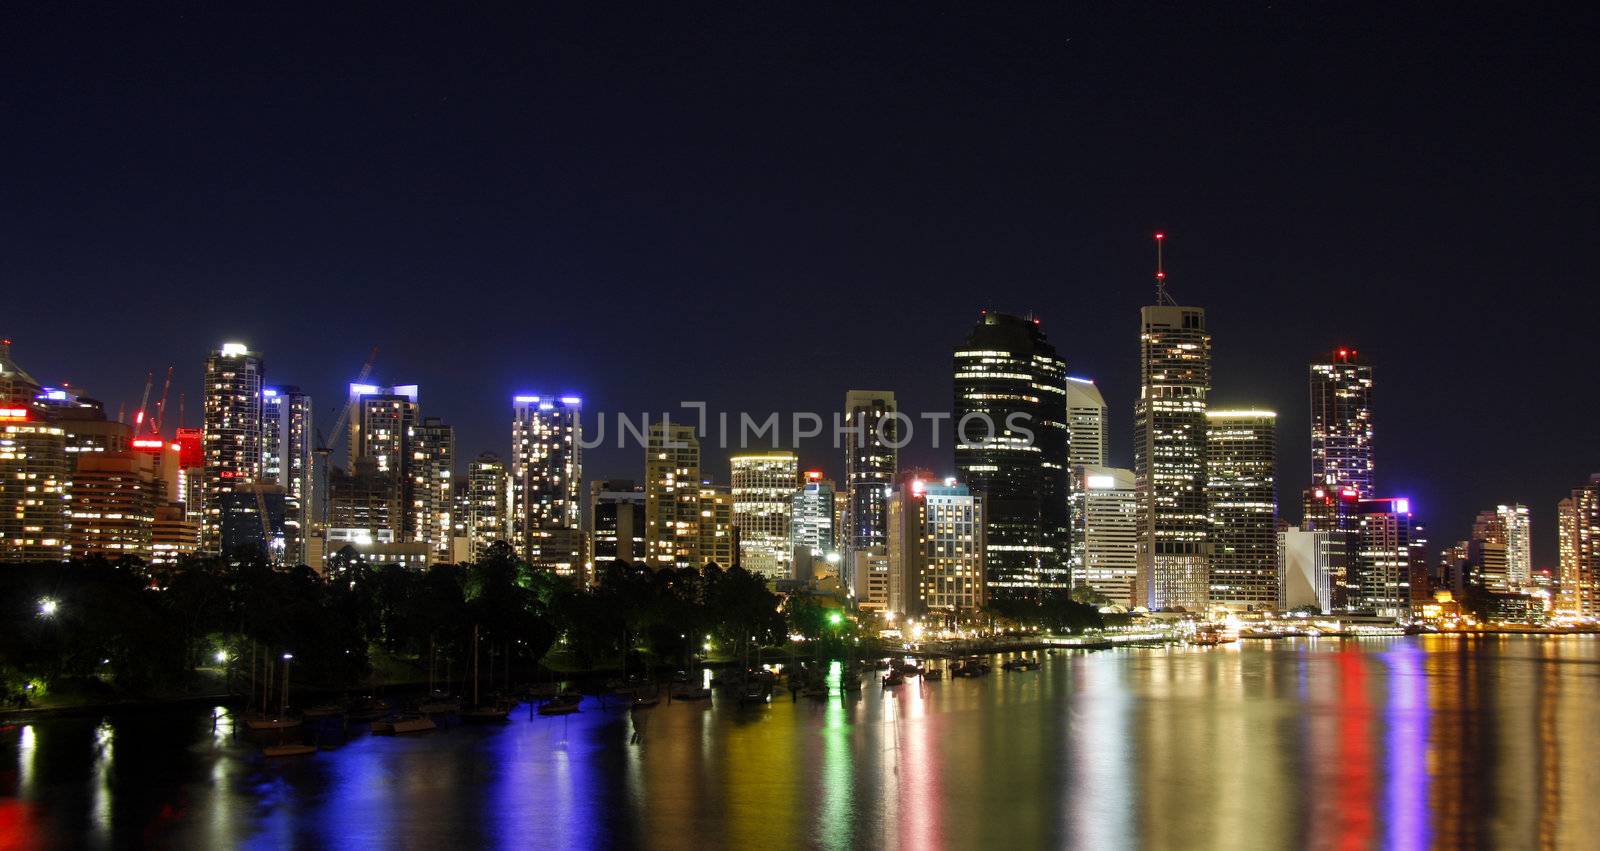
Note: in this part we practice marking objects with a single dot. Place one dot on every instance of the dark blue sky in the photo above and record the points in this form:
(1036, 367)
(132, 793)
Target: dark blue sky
(763, 205)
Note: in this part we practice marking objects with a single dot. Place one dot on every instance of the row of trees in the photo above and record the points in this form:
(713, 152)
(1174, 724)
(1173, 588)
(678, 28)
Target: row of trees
(134, 629)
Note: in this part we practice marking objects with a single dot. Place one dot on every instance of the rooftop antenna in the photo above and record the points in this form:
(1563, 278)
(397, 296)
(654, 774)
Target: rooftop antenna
(1162, 296)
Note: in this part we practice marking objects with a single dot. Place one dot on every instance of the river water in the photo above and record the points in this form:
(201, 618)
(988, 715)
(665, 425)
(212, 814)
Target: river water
(1394, 743)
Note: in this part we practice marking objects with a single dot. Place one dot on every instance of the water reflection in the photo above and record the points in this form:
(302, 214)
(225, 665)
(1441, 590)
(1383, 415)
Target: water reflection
(1410, 743)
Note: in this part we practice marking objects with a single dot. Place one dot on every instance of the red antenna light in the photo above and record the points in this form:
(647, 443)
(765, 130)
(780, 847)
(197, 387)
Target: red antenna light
(1161, 273)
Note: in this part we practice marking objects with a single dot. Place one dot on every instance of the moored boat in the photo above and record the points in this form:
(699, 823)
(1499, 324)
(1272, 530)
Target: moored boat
(565, 703)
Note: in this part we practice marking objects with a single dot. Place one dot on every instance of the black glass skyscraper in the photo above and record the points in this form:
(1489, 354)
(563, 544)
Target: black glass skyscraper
(1010, 383)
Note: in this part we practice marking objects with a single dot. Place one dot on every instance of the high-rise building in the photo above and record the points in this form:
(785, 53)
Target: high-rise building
(1341, 422)
(1242, 499)
(1087, 435)
(18, 389)
(430, 493)
(232, 433)
(1486, 554)
(1579, 525)
(84, 420)
(547, 479)
(871, 579)
(489, 497)
(871, 463)
(811, 529)
(35, 497)
(1105, 532)
(114, 497)
(1305, 568)
(288, 460)
(381, 419)
(363, 506)
(936, 548)
(616, 525)
(1011, 447)
(715, 525)
(672, 497)
(173, 535)
(1169, 453)
(243, 527)
(1519, 545)
(1381, 582)
(763, 493)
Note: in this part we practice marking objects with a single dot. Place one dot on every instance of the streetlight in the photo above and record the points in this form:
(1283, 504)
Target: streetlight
(47, 607)
(283, 699)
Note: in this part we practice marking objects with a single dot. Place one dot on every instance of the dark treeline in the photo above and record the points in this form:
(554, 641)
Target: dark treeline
(127, 629)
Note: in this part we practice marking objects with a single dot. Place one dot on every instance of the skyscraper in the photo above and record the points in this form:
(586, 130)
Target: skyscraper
(489, 499)
(811, 527)
(1381, 581)
(936, 548)
(1579, 525)
(233, 430)
(1341, 422)
(1169, 452)
(113, 505)
(763, 494)
(1486, 554)
(288, 460)
(430, 493)
(381, 419)
(1242, 499)
(547, 480)
(672, 497)
(35, 503)
(1105, 532)
(871, 462)
(1088, 437)
(1519, 545)
(718, 537)
(1011, 447)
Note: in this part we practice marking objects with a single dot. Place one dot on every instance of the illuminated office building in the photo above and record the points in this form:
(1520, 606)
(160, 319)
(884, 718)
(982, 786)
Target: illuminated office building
(18, 389)
(114, 498)
(489, 501)
(1087, 436)
(173, 535)
(1578, 523)
(1169, 454)
(546, 479)
(381, 419)
(672, 497)
(1011, 447)
(35, 499)
(232, 432)
(430, 491)
(936, 549)
(811, 529)
(1341, 422)
(1242, 500)
(715, 527)
(1381, 582)
(763, 491)
(1486, 554)
(289, 461)
(242, 525)
(1519, 545)
(871, 463)
(1105, 532)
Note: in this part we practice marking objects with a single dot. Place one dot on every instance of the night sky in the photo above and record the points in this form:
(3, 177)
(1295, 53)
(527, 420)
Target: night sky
(762, 205)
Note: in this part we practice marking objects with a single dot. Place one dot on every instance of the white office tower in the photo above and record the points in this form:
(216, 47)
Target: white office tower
(1105, 533)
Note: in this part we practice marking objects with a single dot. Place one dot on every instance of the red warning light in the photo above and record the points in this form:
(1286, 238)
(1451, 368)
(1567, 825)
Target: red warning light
(1161, 236)
(1161, 274)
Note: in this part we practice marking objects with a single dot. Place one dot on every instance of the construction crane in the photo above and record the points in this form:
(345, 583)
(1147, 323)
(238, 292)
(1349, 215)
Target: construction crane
(161, 406)
(344, 413)
(138, 415)
(326, 447)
